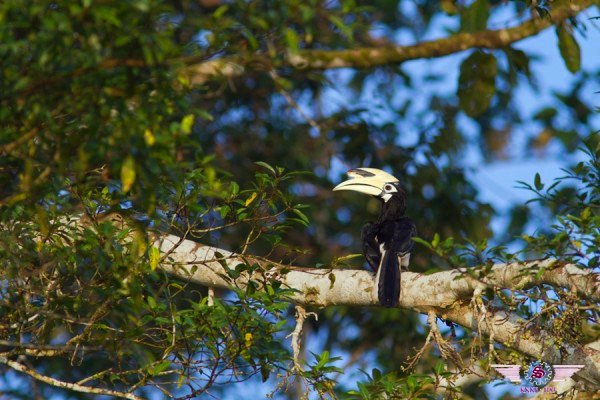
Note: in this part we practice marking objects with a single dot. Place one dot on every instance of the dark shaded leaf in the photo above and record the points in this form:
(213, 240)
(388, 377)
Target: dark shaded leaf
(569, 48)
(474, 17)
(538, 182)
(477, 83)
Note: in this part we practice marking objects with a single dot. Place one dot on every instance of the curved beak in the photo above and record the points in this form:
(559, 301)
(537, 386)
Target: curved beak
(366, 180)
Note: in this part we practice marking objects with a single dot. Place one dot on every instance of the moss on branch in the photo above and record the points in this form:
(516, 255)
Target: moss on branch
(369, 57)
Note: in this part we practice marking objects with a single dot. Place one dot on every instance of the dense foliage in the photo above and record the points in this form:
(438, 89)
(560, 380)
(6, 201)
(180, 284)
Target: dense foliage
(109, 136)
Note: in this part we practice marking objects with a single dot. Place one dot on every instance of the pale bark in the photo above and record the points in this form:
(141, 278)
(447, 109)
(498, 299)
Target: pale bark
(449, 294)
(370, 57)
(17, 366)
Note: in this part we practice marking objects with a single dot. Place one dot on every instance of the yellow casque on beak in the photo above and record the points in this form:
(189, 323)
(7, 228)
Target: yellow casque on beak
(366, 180)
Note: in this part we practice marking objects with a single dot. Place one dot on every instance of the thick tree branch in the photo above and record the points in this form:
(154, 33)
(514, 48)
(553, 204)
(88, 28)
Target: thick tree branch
(446, 293)
(369, 57)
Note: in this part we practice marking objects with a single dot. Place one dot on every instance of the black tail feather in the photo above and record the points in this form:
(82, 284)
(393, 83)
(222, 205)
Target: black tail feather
(389, 280)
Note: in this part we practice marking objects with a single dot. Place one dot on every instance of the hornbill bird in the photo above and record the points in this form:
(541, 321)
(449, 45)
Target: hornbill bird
(386, 242)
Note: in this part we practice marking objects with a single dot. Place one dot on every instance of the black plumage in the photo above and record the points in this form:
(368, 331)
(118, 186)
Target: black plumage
(387, 245)
(387, 242)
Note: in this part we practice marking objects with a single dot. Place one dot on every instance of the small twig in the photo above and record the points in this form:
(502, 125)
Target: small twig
(98, 314)
(93, 377)
(173, 344)
(248, 240)
(173, 248)
(8, 147)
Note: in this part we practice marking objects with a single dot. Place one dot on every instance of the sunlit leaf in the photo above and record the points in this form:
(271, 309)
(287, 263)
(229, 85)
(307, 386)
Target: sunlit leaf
(250, 199)
(128, 174)
(186, 123)
(149, 137)
(154, 257)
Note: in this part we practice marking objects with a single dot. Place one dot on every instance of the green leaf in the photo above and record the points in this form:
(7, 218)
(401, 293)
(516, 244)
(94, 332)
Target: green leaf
(205, 115)
(265, 371)
(538, 182)
(586, 213)
(411, 382)
(128, 174)
(302, 216)
(250, 199)
(477, 82)
(291, 37)
(151, 302)
(545, 114)
(435, 241)
(331, 280)
(284, 83)
(439, 368)
(421, 241)
(42, 220)
(186, 123)
(180, 380)
(449, 7)
(569, 48)
(251, 39)
(376, 374)
(219, 12)
(519, 60)
(346, 30)
(160, 367)
(234, 188)
(154, 257)
(474, 18)
(265, 165)
(149, 137)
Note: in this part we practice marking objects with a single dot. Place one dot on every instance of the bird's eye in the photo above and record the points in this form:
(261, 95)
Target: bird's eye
(388, 187)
